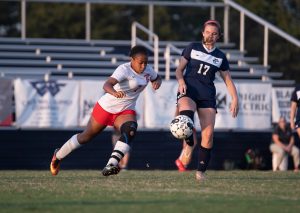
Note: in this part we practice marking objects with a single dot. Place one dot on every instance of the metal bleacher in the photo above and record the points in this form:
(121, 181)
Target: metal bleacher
(242, 67)
(35, 58)
(79, 58)
(85, 58)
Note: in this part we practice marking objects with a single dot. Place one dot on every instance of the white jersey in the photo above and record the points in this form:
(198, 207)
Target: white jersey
(131, 83)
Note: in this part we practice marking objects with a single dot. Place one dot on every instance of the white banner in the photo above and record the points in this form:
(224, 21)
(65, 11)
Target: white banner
(55, 104)
(160, 105)
(281, 103)
(50, 103)
(255, 106)
(140, 110)
(91, 91)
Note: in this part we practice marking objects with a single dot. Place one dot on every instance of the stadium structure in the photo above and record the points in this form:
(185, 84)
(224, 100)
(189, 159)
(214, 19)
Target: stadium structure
(42, 59)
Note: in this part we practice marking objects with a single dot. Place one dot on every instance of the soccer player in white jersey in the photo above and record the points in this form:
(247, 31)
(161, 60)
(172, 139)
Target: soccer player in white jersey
(196, 89)
(115, 108)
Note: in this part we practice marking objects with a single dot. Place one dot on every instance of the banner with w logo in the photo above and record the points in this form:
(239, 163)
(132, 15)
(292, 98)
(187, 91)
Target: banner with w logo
(52, 103)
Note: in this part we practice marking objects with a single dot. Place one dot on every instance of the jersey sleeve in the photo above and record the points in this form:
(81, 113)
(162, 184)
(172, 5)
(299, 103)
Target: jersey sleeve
(225, 64)
(186, 53)
(119, 74)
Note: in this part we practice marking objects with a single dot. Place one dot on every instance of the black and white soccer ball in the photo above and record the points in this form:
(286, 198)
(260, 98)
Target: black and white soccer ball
(181, 127)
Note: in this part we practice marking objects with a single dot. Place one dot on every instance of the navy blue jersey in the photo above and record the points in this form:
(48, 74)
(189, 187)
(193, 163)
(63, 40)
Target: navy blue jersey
(296, 98)
(201, 69)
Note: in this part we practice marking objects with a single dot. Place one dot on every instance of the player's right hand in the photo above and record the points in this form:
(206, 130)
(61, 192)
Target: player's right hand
(119, 94)
(182, 88)
(293, 126)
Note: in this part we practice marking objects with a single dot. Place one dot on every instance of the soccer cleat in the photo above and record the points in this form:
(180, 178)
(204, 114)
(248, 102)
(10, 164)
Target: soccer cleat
(110, 170)
(200, 176)
(180, 166)
(55, 164)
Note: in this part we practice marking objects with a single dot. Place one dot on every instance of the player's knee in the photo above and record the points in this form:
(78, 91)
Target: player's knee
(128, 130)
(189, 113)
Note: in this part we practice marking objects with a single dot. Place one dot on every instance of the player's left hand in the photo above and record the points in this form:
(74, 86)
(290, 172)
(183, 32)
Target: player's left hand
(234, 108)
(156, 84)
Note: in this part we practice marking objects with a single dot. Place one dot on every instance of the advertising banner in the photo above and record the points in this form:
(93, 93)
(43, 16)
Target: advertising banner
(160, 105)
(255, 106)
(6, 97)
(281, 103)
(69, 103)
(91, 91)
(41, 103)
(254, 103)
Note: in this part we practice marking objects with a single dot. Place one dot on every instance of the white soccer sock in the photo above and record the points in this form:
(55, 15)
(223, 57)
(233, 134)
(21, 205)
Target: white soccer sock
(120, 150)
(68, 147)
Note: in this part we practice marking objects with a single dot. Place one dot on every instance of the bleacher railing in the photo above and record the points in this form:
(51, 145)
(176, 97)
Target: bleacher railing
(151, 44)
(170, 48)
(267, 26)
(226, 4)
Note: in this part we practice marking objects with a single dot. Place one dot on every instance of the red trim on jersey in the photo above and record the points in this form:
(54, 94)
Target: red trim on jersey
(106, 118)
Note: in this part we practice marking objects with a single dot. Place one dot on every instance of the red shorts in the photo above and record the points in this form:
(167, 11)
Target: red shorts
(106, 118)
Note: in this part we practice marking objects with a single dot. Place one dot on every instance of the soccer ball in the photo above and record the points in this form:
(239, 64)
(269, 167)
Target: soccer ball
(182, 127)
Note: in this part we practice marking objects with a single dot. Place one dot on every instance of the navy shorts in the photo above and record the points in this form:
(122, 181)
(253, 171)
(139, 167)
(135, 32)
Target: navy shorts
(199, 103)
(297, 124)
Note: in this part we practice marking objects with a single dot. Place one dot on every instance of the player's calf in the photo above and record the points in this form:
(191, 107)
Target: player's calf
(128, 130)
(190, 140)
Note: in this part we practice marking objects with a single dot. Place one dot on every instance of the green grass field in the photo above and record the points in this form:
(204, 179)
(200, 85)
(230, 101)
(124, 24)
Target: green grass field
(149, 191)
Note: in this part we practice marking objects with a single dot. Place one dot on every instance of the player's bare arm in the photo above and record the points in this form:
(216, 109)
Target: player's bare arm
(293, 113)
(109, 88)
(179, 75)
(234, 106)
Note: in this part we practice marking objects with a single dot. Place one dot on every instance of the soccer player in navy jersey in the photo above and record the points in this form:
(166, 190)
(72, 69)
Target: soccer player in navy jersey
(196, 89)
(295, 110)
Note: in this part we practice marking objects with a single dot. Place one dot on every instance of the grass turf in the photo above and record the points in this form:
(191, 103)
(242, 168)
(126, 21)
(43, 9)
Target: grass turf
(149, 191)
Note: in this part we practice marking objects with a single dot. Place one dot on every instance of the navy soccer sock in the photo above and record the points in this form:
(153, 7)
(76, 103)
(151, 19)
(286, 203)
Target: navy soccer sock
(204, 157)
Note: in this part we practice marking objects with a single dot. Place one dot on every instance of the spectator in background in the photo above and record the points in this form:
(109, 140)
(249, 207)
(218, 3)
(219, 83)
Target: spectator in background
(283, 144)
(295, 110)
